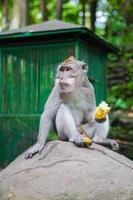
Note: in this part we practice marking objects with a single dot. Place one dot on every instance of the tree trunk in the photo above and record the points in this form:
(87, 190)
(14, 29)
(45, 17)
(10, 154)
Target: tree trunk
(59, 9)
(83, 10)
(20, 13)
(126, 9)
(5, 9)
(83, 2)
(44, 11)
(93, 7)
(5, 22)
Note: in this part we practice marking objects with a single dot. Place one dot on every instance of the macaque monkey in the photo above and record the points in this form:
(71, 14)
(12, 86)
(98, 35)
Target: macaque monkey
(70, 105)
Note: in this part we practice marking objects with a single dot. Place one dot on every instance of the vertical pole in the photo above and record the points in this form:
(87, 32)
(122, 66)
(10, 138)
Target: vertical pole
(0, 82)
(1, 109)
(105, 79)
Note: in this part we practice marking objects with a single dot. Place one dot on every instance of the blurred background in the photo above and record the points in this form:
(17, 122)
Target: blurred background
(111, 20)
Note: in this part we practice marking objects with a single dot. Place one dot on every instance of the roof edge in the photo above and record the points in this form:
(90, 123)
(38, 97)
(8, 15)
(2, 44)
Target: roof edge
(83, 31)
(100, 39)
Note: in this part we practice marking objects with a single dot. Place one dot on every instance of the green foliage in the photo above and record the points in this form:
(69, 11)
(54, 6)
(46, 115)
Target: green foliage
(34, 14)
(120, 95)
(120, 103)
(71, 12)
(118, 31)
(116, 102)
(52, 136)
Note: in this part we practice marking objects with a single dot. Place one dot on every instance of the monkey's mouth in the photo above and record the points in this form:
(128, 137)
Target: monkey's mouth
(65, 88)
(64, 85)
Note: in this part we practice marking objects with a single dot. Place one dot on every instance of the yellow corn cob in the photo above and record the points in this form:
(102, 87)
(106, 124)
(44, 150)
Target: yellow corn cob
(102, 110)
(86, 141)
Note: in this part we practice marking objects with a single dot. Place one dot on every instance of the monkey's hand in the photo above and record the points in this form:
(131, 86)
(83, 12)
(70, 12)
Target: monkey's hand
(37, 148)
(101, 111)
(77, 139)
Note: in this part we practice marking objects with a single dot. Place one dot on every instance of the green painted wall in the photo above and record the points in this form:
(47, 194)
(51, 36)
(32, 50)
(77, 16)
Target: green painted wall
(26, 78)
(96, 61)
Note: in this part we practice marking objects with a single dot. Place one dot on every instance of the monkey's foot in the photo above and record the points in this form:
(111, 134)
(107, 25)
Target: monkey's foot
(34, 149)
(114, 145)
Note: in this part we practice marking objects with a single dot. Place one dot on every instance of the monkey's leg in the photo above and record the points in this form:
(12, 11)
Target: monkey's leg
(89, 129)
(66, 127)
(99, 132)
(106, 142)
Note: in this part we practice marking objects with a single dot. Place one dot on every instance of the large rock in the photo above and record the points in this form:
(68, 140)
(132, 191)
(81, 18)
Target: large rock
(65, 172)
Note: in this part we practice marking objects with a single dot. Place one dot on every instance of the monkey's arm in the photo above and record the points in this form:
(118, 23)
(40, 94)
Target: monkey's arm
(91, 103)
(46, 122)
(96, 130)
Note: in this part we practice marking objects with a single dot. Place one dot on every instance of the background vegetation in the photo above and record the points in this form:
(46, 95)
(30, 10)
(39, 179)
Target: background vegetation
(110, 19)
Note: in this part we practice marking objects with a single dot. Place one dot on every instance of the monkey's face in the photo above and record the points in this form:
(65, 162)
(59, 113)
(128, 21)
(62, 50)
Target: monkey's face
(69, 77)
(65, 79)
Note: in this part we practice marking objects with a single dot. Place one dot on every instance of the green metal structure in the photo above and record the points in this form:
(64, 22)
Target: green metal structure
(28, 60)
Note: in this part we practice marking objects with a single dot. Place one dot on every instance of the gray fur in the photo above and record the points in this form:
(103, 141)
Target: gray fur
(71, 104)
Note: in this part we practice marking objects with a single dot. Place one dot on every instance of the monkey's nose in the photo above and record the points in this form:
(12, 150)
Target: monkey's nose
(61, 80)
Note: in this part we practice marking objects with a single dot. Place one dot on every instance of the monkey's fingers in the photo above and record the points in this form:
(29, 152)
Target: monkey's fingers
(40, 151)
(78, 141)
(28, 155)
(114, 145)
(34, 149)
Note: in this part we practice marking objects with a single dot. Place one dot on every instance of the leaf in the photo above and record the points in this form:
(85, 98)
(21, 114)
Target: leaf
(121, 104)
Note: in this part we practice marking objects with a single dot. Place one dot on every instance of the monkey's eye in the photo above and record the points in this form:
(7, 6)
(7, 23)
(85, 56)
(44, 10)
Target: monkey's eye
(62, 69)
(67, 68)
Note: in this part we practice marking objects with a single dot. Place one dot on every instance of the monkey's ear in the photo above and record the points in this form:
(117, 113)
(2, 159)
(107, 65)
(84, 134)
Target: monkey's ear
(84, 67)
